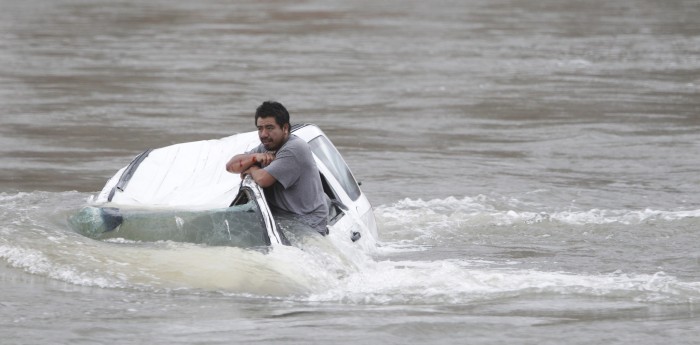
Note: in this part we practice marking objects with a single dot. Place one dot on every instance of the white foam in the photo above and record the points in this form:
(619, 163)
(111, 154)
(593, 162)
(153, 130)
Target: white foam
(9, 197)
(451, 212)
(332, 268)
(35, 262)
(454, 282)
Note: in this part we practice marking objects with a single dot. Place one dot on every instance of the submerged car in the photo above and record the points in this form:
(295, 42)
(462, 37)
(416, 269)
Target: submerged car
(183, 193)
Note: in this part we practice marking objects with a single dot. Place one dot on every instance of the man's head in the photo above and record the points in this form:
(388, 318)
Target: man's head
(272, 121)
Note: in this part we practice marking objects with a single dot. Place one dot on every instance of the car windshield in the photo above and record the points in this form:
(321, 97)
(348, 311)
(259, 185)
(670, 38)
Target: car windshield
(239, 225)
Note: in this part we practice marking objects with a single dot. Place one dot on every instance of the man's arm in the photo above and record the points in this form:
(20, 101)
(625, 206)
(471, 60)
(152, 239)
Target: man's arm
(240, 163)
(248, 164)
(260, 176)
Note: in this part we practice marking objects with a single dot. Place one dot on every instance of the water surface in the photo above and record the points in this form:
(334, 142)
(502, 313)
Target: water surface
(533, 167)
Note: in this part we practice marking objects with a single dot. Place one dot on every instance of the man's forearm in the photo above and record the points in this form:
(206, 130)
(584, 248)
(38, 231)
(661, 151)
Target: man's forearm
(261, 177)
(241, 163)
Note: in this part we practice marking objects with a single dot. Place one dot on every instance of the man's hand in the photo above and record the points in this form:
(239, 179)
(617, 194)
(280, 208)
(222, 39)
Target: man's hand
(264, 158)
(250, 171)
(241, 163)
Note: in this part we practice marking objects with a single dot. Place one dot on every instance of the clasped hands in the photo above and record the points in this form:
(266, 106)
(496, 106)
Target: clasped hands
(256, 161)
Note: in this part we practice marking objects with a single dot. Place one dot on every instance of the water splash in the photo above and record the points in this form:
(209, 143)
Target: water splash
(37, 240)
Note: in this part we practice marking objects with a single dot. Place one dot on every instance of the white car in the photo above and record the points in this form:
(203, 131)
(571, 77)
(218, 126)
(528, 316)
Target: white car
(183, 193)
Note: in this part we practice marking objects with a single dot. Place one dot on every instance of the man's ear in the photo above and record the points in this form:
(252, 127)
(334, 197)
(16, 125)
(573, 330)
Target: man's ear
(286, 128)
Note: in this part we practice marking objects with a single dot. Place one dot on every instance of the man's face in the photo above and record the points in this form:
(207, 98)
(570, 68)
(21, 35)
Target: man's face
(271, 135)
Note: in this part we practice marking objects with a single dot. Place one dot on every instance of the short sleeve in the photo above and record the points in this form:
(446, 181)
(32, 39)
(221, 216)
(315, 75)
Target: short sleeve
(285, 168)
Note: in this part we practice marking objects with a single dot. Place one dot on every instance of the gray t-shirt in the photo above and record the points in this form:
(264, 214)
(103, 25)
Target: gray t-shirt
(298, 190)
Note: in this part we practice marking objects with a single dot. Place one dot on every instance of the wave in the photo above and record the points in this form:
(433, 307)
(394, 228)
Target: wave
(281, 276)
(456, 282)
(484, 211)
(35, 239)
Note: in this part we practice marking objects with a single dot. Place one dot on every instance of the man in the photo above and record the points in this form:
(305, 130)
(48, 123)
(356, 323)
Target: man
(284, 167)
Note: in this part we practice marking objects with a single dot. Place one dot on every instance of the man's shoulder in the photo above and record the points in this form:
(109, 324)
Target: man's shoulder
(293, 139)
(295, 143)
(296, 147)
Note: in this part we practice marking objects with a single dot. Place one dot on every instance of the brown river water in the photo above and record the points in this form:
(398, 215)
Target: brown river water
(533, 167)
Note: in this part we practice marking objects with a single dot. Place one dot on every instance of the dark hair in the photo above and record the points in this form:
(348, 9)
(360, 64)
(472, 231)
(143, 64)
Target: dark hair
(272, 108)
